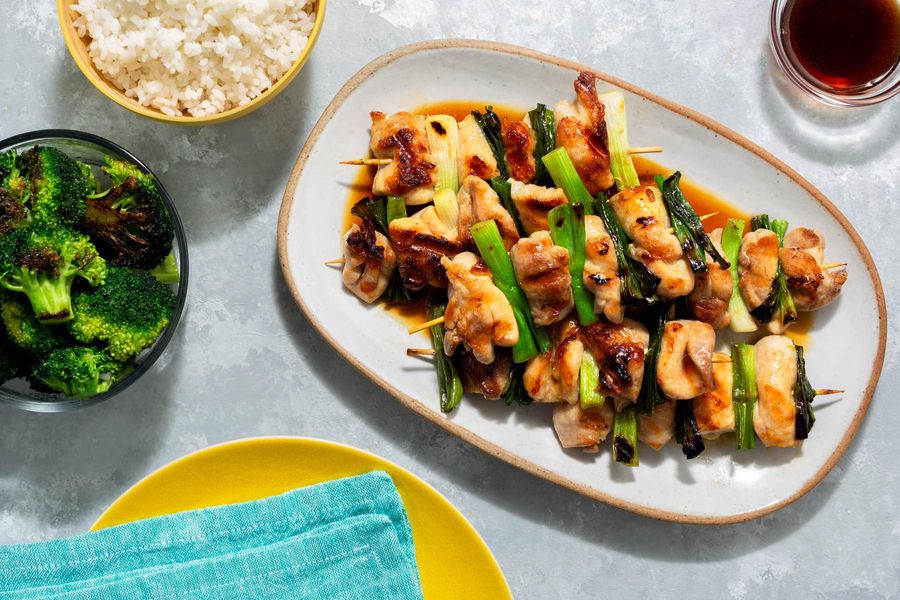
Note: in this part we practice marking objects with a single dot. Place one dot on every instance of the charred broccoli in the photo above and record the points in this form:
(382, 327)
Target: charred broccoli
(129, 222)
(14, 193)
(23, 329)
(128, 312)
(80, 371)
(12, 363)
(58, 186)
(42, 261)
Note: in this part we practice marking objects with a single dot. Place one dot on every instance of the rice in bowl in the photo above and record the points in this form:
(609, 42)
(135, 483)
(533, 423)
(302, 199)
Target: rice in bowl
(194, 57)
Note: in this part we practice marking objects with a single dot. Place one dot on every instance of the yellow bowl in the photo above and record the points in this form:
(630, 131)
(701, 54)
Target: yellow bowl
(78, 48)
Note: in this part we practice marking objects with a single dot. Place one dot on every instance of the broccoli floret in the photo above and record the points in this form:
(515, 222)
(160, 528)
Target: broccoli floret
(128, 312)
(167, 271)
(58, 186)
(23, 329)
(129, 222)
(42, 262)
(79, 372)
(14, 193)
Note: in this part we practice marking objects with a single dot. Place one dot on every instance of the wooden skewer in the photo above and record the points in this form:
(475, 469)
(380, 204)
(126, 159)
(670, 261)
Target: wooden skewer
(645, 150)
(419, 351)
(340, 261)
(378, 162)
(425, 325)
(827, 392)
(833, 265)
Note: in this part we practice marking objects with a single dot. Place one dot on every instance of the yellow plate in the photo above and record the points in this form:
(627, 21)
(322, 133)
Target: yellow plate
(454, 562)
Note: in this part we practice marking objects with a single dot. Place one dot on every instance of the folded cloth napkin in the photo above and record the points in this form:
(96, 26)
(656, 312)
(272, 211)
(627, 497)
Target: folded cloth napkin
(348, 538)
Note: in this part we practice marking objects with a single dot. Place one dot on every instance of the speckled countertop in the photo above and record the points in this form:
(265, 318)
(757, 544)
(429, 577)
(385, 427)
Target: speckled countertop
(246, 363)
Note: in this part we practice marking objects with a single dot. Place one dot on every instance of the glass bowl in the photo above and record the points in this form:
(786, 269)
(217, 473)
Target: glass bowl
(887, 87)
(92, 149)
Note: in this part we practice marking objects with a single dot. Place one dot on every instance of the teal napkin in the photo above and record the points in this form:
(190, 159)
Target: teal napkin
(348, 538)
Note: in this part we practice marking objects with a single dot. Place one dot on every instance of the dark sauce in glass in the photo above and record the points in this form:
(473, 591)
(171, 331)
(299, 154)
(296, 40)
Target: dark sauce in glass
(844, 44)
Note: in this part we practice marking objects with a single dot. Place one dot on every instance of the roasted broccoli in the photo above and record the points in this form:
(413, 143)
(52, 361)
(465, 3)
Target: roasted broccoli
(12, 363)
(167, 271)
(24, 330)
(14, 192)
(129, 222)
(79, 371)
(59, 186)
(128, 312)
(42, 261)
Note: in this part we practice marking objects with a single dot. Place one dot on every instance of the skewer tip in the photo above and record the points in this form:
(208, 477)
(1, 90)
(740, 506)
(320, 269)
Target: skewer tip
(425, 325)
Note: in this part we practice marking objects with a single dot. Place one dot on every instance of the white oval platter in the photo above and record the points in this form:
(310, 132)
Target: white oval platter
(721, 486)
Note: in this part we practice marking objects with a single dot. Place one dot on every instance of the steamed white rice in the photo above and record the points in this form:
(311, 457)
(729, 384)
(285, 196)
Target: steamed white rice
(194, 57)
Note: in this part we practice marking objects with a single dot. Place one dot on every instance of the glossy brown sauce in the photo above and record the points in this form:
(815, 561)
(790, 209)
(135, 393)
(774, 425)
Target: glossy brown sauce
(702, 200)
(844, 44)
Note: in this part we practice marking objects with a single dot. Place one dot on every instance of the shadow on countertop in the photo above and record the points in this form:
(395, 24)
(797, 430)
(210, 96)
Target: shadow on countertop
(64, 465)
(528, 496)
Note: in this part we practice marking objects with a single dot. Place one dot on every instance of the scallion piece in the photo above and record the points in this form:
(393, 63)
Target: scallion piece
(493, 252)
(732, 235)
(638, 285)
(567, 230)
(396, 292)
(686, 432)
(543, 125)
(650, 395)
(374, 209)
(779, 304)
(443, 144)
(565, 177)
(504, 190)
(589, 395)
(515, 390)
(804, 394)
(450, 384)
(395, 208)
(493, 131)
(743, 394)
(447, 208)
(688, 228)
(620, 162)
(625, 448)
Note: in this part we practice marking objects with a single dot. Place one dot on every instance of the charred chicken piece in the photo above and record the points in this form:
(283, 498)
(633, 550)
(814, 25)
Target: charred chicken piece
(684, 369)
(801, 259)
(577, 428)
(774, 417)
(533, 203)
(478, 314)
(553, 375)
(619, 350)
(475, 156)
(581, 130)
(542, 270)
(519, 142)
(411, 174)
(421, 241)
(657, 429)
(713, 410)
(369, 261)
(712, 290)
(479, 202)
(489, 380)
(601, 270)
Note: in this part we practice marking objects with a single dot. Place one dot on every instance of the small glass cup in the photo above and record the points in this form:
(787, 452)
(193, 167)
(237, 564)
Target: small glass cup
(92, 149)
(887, 87)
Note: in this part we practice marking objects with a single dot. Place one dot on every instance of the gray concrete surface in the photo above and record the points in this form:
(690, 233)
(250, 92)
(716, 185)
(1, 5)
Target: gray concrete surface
(246, 363)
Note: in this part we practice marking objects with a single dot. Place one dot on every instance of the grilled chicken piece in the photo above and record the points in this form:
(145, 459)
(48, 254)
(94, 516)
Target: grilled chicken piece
(758, 263)
(488, 380)
(533, 203)
(369, 261)
(801, 259)
(478, 315)
(479, 202)
(581, 130)
(642, 213)
(619, 350)
(684, 368)
(475, 155)
(411, 174)
(577, 428)
(542, 271)
(713, 409)
(601, 270)
(553, 375)
(712, 290)
(774, 417)
(519, 141)
(421, 241)
(657, 429)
